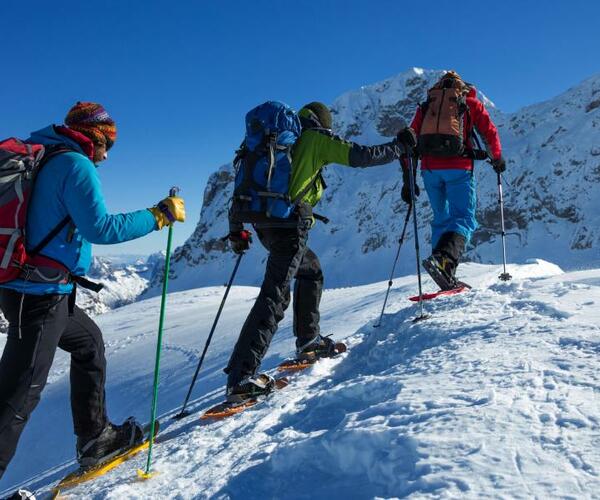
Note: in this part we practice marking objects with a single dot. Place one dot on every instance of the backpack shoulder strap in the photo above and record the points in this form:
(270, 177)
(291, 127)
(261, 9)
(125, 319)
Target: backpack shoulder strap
(50, 236)
(51, 153)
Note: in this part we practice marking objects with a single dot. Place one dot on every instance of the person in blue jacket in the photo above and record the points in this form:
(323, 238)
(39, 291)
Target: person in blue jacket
(67, 205)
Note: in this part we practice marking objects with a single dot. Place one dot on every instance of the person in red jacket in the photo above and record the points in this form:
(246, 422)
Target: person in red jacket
(444, 126)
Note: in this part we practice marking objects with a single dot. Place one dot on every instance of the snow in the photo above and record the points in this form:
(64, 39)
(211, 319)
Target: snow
(551, 190)
(495, 395)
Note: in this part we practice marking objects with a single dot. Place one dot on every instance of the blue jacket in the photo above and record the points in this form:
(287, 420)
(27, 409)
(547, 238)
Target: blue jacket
(69, 185)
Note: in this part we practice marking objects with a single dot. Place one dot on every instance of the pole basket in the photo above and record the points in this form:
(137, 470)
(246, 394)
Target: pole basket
(181, 415)
(421, 317)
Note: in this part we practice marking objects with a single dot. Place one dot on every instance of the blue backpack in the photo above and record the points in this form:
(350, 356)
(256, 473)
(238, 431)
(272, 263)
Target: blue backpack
(263, 165)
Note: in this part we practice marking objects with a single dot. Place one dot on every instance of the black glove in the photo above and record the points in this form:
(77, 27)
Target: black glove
(406, 186)
(407, 138)
(406, 193)
(239, 241)
(499, 165)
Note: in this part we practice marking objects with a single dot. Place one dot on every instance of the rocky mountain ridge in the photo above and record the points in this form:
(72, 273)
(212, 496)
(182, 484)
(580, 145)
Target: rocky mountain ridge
(551, 192)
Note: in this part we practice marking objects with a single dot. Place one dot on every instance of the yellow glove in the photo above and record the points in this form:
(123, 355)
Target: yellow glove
(169, 210)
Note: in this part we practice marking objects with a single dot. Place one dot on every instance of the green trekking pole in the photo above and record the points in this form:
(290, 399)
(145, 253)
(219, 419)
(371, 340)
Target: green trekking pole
(163, 302)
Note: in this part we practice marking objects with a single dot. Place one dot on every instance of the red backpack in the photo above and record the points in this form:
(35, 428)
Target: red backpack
(20, 163)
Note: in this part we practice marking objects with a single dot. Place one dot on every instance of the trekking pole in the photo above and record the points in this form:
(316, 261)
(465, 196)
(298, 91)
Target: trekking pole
(163, 302)
(505, 276)
(390, 282)
(411, 176)
(183, 413)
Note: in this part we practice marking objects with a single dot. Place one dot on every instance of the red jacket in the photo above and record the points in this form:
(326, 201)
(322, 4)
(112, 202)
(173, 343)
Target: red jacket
(477, 117)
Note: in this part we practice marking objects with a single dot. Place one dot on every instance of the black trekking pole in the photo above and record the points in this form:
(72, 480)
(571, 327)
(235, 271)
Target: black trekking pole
(505, 276)
(390, 282)
(183, 413)
(413, 198)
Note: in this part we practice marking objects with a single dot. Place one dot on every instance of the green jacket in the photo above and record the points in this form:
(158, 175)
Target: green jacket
(317, 148)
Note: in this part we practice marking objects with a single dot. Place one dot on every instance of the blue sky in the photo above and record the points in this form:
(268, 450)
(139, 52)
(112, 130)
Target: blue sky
(179, 76)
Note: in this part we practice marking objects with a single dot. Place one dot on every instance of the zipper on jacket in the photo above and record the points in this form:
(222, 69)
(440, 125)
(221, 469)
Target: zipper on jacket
(440, 110)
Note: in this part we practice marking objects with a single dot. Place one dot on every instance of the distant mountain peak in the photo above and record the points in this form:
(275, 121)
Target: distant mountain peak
(552, 191)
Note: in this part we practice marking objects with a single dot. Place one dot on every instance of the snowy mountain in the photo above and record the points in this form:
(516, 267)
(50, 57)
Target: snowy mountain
(552, 192)
(494, 396)
(123, 283)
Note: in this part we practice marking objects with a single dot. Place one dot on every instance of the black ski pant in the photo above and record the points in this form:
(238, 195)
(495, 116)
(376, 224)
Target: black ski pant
(289, 257)
(38, 324)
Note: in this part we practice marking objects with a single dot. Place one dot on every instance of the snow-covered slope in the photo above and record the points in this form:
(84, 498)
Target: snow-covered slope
(496, 395)
(552, 200)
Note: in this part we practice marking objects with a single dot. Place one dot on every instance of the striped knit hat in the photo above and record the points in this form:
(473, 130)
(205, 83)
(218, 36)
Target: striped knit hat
(93, 121)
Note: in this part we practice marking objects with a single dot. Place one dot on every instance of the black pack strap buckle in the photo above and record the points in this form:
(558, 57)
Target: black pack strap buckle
(321, 218)
(86, 283)
(476, 154)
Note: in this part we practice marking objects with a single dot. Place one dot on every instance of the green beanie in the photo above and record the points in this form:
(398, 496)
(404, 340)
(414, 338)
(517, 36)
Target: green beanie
(319, 112)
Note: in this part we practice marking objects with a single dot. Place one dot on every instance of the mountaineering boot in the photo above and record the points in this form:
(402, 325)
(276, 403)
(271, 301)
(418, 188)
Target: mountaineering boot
(442, 263)
(250, 388)
(113, 440)
(317, 348)
(441, 269)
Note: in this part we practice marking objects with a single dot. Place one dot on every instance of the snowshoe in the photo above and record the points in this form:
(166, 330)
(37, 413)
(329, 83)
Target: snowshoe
(319, 347)
(250, 388)
(441, 269)
(109, 463)
(113, 440)
(309, 353)
(245, 395)
(460, 287)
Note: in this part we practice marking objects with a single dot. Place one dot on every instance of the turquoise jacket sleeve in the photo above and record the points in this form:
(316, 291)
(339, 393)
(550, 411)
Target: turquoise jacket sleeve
(84, 202)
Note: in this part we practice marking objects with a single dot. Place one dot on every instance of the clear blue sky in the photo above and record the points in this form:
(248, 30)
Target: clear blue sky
(179, 76)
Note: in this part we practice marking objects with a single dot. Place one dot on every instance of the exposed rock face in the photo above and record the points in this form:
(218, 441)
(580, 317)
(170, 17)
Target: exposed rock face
(551, 194)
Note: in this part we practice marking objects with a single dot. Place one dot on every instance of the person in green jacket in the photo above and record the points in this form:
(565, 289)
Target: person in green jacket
(289, 255)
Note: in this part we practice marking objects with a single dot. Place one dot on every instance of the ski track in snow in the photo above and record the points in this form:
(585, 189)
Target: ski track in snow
(495, 395)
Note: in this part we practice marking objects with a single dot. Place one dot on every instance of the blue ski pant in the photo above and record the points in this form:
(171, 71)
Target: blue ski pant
(453, 200)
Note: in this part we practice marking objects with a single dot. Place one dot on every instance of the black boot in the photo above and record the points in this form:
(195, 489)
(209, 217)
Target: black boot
(317, 348)
(250, 388)
(441, 270)
(442, 263)
(114, 439)
(451, 245)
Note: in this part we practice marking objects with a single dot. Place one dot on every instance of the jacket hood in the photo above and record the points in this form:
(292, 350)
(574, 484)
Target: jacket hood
(48, 136)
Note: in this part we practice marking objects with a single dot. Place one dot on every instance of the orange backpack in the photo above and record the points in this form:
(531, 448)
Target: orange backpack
(442, 129)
